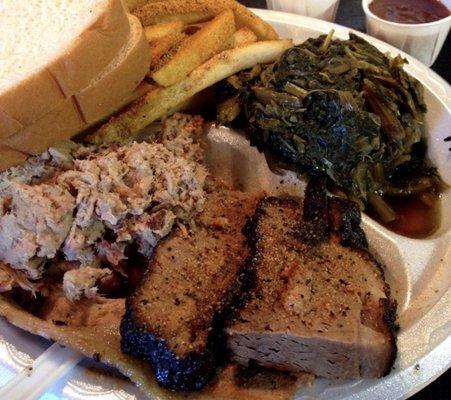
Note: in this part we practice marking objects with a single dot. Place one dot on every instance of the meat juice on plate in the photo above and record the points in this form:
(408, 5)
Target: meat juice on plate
(417, 216)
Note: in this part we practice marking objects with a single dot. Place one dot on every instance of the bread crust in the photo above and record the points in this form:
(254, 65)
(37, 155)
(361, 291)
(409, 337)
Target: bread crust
(9, 125)
(10, 157)
(62, 123)
(102, 95)
(53, 127)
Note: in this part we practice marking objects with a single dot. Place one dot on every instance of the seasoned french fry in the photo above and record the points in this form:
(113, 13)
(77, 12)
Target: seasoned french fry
(243, 36)
(193, 28)
(212, 38)
(192, 11)
(132, 4)
(187, 18)
(158, 31)
(162, 49)
(165, 101)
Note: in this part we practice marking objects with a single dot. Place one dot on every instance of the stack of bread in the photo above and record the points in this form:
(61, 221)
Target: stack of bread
(64, 66)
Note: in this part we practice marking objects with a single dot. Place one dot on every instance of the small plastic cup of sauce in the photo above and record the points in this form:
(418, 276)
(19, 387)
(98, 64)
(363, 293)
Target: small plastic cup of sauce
(321, 9)
(418, 27)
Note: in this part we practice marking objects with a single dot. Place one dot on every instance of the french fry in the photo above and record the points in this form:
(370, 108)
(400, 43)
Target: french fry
(212, 38)
(165, 101)
(163, 48)
(243, 36)
(158, 31)
(193, 28)
(133, 4)
(187, 18)
(192, 11)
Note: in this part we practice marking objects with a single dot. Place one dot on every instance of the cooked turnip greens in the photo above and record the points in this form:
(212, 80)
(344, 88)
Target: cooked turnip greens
(340, 108)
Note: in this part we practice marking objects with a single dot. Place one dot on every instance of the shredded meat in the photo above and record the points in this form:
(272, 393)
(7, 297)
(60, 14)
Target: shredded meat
(88, 204)
(35, 225)
(111, 252)
(146, 229)
(82, 282)
(113, 186)
(183, 142)
(10, 279)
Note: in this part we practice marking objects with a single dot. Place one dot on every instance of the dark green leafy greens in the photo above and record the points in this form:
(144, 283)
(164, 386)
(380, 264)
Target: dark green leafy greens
(340, 108)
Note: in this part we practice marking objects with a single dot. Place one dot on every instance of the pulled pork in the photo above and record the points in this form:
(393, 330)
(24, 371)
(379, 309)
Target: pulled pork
(81, 282)
(88, 205)
(11, 278)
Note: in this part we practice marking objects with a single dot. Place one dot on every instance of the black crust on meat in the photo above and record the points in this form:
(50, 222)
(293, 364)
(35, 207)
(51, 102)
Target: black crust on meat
(345, 218)
(390, 312)
(390, 319)
(250, 228)
(314, 228)
(197, 369)
(193, 372)
(390, 309)
(349, 219)
(189, 373)
(250, 232)
(323, 214)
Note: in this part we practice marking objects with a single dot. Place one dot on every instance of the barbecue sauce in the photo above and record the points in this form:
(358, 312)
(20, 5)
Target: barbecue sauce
(409, 11)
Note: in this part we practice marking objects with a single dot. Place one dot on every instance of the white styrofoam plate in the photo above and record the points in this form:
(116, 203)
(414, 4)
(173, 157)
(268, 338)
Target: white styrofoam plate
(418, 270)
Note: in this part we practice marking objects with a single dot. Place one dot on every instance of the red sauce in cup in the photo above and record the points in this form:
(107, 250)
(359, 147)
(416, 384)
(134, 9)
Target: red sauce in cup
(409, 11)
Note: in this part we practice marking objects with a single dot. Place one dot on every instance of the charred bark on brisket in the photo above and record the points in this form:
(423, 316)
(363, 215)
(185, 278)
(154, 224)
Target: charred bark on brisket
(345, 219)
(314, 227)
(175, 318)
(321, 303)
(323, 214)
(188, 373)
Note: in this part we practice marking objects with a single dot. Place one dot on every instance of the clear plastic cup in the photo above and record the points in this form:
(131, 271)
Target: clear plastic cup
(321, 9)
(422, 41)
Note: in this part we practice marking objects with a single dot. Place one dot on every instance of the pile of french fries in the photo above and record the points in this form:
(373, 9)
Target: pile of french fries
(194, 44)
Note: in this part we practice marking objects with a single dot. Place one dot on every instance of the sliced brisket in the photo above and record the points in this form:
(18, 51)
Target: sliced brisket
(176, 315)
(318, 306)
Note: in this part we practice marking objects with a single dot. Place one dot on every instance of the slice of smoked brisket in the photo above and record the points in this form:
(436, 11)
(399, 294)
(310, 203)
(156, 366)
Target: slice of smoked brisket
(321, 304)
(175, 318)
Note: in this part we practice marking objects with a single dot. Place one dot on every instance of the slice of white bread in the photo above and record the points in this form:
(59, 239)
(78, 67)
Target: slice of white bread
(52, 49)
(118, 79)
(94, 103)
(66, 124)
